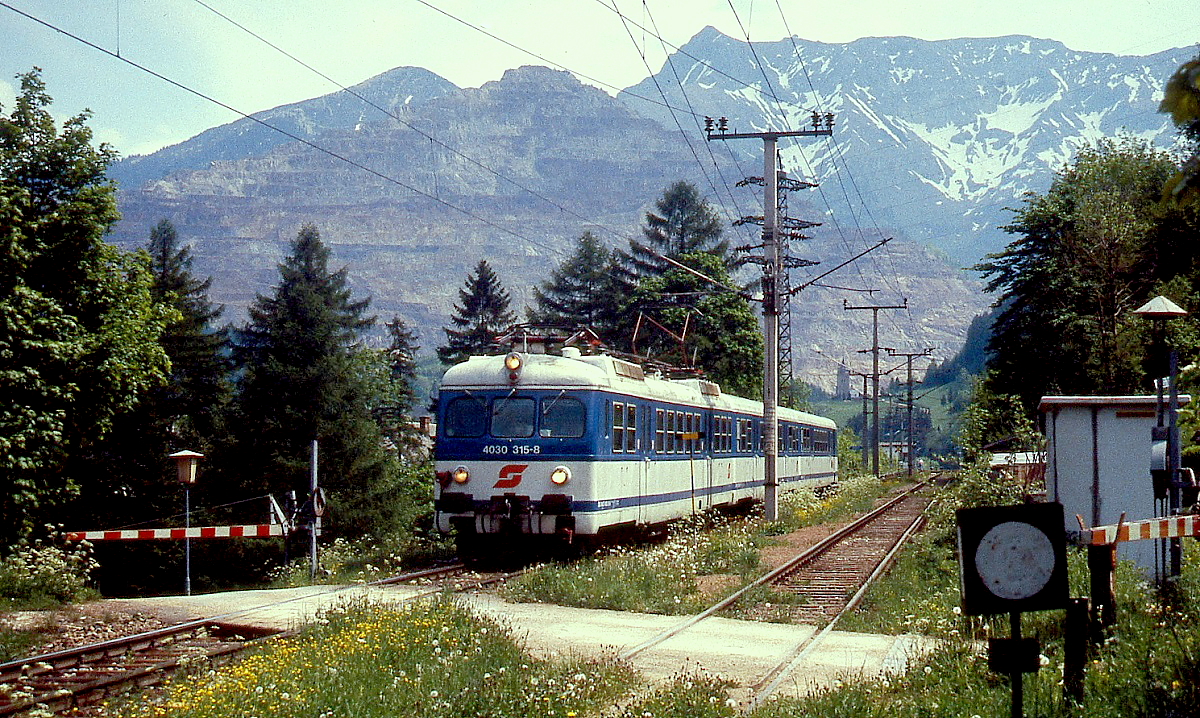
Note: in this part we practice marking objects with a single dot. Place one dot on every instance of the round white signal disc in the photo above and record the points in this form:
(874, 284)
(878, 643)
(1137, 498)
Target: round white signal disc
(1015, 560)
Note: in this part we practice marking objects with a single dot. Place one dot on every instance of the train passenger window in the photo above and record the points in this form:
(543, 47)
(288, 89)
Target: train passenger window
(821, 441)
(562, 418)
(660, 430)
(618, 426)
(806, 439)
(631, 444)
(465, 417)
(513, 417)
(671, 435)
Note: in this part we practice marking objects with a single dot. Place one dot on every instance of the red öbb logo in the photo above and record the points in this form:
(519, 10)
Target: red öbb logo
(510, 476)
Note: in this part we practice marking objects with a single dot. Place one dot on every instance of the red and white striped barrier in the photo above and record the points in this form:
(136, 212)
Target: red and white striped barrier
(245, 531)
(1171, 527)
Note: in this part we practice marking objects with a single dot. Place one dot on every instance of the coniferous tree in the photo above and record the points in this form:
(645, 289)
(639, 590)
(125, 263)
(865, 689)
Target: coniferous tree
(401, 390)
(683, 223)
(482, 313)
(302, 380)
(582, 291)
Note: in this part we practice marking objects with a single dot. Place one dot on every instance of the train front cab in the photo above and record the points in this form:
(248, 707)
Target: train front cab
(509, 468)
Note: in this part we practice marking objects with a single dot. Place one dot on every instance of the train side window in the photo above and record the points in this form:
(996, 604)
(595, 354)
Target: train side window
(631, 428)
(671, 435)
(563, 417)
(806, 439)
(465, 418)
(618, 427)
(660, 429)
(821, 441)
(513, 417)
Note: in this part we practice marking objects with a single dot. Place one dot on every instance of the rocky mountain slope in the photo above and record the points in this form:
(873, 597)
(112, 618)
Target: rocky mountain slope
(931, 140)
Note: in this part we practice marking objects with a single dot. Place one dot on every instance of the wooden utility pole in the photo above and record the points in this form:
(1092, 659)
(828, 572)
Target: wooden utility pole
(909, 356)
(822, 125)
(875, 374)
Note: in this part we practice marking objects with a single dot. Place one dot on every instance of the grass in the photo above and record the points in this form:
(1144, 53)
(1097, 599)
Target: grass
(438, 659)
(669, 578)
(363, 661)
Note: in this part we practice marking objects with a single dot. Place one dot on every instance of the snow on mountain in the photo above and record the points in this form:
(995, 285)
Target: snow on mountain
(933, 140)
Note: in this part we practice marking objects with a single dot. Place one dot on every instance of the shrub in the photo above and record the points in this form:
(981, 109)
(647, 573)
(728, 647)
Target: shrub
(44, 573)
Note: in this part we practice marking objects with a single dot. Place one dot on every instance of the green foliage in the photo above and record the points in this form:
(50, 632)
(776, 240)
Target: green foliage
(1088, 252)
(302, 380)
(683, 223)
(482, 314)
(995, 418)
(582, 291)
(45, 573)
(431, 659)
(79, 324)
(722, 333)
(667, 578)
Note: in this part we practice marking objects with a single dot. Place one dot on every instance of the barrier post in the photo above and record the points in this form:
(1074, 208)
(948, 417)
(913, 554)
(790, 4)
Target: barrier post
(1076, 632)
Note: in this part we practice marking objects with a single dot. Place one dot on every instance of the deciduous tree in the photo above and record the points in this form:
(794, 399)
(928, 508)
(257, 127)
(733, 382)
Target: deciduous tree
(79, 326)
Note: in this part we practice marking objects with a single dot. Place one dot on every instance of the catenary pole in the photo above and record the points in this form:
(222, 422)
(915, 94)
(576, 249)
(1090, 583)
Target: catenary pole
(822, 125)
(875, 309)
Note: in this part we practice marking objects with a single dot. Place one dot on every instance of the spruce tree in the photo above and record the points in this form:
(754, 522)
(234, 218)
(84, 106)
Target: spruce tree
(397, 419)
(482, 313)
(302, 380)
(582, 291)
(684, 223)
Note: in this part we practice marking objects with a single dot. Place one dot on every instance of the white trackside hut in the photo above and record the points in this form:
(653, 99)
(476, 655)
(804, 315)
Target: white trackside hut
(572, 448)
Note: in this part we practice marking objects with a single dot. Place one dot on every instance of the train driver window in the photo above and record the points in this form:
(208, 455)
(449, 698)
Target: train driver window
(513, 417)
(465, 417)
(562, 418)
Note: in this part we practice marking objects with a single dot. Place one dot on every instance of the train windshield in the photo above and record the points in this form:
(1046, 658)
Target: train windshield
(513, 417)
(465, 417)
(562, 418)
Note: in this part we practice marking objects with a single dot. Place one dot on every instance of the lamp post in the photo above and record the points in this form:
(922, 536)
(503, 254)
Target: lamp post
(185, 472)
(1160, 309)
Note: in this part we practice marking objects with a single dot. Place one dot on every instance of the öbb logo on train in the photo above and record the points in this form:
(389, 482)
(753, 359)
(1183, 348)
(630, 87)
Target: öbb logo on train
(510, 476)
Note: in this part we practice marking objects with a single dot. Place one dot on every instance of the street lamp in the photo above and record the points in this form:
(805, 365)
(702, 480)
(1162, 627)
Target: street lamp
(185, 472)
(1160, 310)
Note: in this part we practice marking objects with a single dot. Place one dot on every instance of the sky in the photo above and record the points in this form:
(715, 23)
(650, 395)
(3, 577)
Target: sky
(196, 43)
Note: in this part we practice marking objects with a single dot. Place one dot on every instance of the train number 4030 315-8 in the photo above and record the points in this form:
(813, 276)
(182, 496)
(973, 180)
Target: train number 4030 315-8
(515, 449)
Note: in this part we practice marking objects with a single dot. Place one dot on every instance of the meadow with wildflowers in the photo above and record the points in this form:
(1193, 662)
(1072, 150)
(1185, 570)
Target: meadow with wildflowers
(431, 658)
(666, 578)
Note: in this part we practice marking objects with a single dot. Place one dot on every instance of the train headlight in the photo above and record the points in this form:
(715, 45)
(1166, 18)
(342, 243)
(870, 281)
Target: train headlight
(560, 475)
(512, 362)
(460, 475)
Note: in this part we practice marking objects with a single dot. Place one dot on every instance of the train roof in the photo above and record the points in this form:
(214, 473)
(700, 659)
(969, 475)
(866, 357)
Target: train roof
(601, 371)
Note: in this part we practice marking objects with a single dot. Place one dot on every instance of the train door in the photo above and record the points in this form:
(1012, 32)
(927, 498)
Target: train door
(642, 447)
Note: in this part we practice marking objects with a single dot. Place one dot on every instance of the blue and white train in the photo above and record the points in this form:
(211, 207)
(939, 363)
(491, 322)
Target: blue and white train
(576, 449)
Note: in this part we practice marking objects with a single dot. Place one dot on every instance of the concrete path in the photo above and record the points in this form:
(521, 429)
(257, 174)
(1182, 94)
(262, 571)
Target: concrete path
(740, 651)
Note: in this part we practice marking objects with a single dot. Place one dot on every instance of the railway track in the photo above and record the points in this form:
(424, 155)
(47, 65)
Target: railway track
(832, 576)
(81, 676)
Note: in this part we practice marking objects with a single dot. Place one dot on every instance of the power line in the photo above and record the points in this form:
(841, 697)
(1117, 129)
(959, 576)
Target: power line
(290, 135)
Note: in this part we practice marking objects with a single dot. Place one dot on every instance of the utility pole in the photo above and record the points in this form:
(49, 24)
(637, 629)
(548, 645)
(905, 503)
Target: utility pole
(789, 229)
(912, 449)
(822, 125)
(865, 411)
(875, 308)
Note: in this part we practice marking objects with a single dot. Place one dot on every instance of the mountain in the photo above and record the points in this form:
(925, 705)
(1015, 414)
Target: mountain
(247, 137)
(932, 139)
